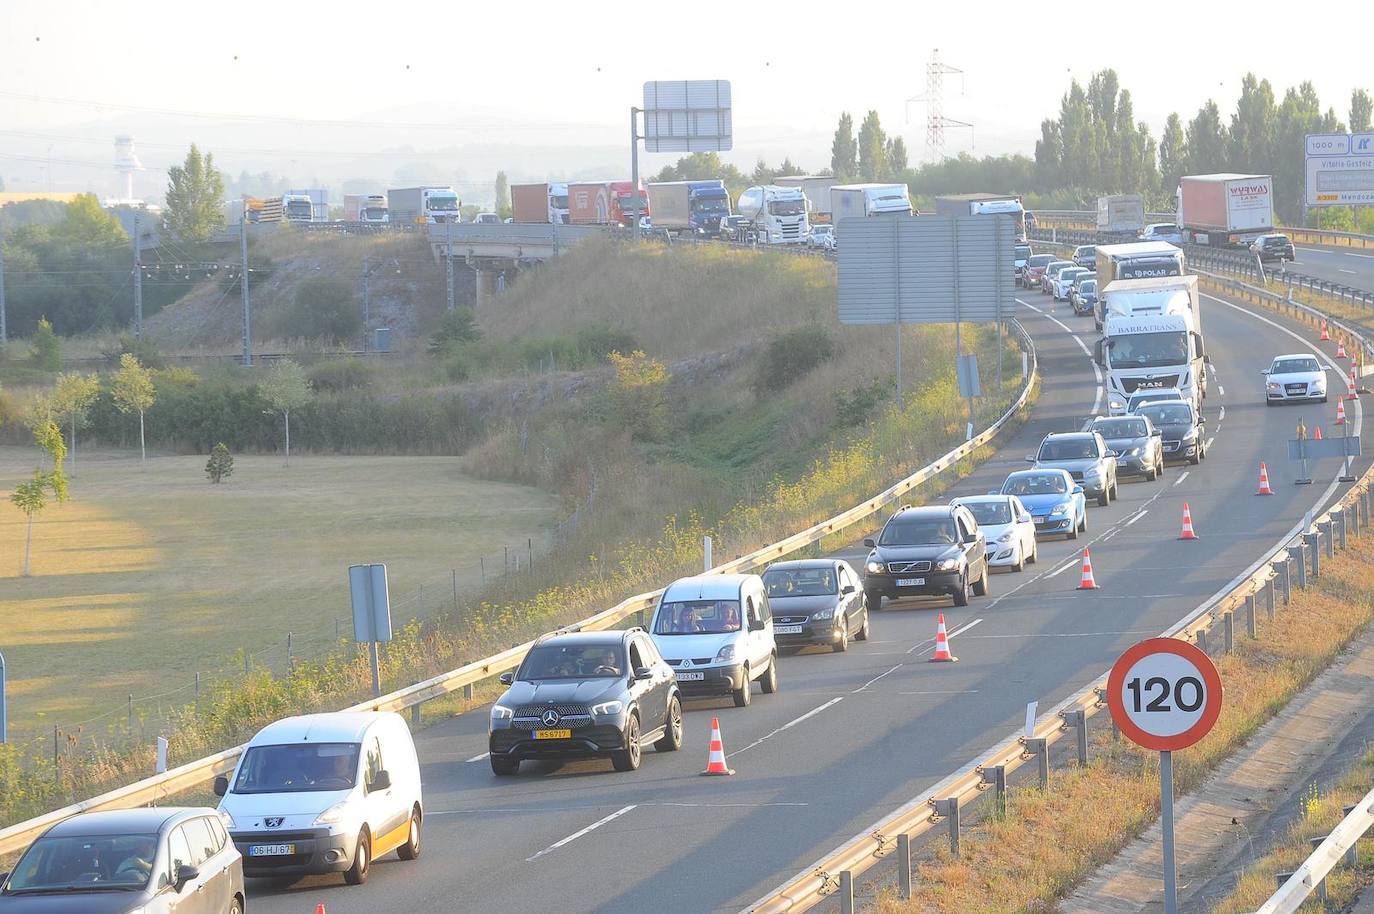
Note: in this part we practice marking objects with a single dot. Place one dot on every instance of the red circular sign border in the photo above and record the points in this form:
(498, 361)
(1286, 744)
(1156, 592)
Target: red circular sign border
(1211, 678)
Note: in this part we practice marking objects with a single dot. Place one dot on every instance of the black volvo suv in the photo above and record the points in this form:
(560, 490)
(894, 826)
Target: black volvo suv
(923, 552)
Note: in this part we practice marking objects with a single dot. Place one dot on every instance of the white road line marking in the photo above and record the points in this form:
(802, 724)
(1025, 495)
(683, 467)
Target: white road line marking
(1221, 413)
(1344, 270)
(963, 628)
(791, 723)
(1143, 512)
(479, 758)
(943, 692)
(723, 805)
(1097, 372)
(1109, 534)
(1353, 254)
(481, 811)
(578, 834)
(1208, 443)
(1029, 305)
(1182, 476)
(1068, 635)
(876, 678)
(1063, 568)
(1221, 392)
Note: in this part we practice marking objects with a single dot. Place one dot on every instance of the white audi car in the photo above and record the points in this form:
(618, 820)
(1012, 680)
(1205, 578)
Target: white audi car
(1296, 377)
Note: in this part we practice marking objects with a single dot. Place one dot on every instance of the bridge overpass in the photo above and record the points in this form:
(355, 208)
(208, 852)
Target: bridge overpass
(491, 250)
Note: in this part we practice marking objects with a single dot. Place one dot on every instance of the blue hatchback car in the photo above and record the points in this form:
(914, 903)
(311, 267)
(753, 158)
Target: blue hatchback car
(1055, 501)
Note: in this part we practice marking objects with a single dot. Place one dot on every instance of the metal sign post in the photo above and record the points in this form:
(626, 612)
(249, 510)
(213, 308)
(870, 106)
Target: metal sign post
(3, 721)
(1165, 694)
(367, 588)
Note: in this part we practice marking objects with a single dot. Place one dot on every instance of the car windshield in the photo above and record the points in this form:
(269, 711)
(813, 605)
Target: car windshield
(1057, 266)
(1040, 260)
(1294, 366)
(918, 531)
(1147, 350)
(1036, 484)
(1168, 413)
(571, 661)
(989, 512)
(85, 863)
(698, 617)
(1088, 286)
(800, 582)
(1120, 428)
(1023, 251)
(298, 768)
(1068, 449)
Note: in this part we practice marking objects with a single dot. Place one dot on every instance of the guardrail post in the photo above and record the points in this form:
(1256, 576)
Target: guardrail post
(1079, 722)
(467, 692)
(904, 866)
(1328, 538)
(1041, 750)
(1363, 502)
(1353, 513)
(846, 892)
(1308, 543)
(1316, 544)
(950, 810)
(1269, 599)
(1338, 518)
(1251, 627)
(415, 715)
(997, 776)
(1202, 640)
(1228, 630)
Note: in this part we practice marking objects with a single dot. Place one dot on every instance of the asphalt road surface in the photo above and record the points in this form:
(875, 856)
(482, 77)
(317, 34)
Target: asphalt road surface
(851, 736)
(1349, 268)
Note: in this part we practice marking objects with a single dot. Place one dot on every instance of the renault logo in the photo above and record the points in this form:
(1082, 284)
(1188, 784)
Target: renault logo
(687, 662)
(549, 717)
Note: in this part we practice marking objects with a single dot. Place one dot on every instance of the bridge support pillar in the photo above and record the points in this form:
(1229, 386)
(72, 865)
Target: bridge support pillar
(486, 286)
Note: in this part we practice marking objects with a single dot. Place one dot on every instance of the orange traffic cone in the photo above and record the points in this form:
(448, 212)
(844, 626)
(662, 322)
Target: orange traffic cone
(1264, 479)
(319, 908)
(1087, 583)
(1340, 348)
(1350, 395)
(715, 761)
(1187, 533)
(1326, 335)
(942, 653)
(1317, 436)
(1340, 412)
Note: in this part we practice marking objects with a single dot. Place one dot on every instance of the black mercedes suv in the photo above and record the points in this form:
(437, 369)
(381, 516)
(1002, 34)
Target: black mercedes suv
(923, 552)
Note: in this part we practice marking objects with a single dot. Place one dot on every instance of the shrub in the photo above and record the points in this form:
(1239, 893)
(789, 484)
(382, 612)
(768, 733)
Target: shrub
(146, 353)
(351, 373)
(600, 340)
(47, 349)
(324, 309)
(220, 464)
(456, 326)
(855, 405)
(790, 356)
(639, 395)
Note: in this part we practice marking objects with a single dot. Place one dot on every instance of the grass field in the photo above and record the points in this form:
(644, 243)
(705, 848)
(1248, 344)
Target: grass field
(150, 574)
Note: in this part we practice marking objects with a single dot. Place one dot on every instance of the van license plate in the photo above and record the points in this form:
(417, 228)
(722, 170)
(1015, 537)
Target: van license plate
(271, 850)
(553, 734)
(787, 630)
(695, 676)
(911, 582)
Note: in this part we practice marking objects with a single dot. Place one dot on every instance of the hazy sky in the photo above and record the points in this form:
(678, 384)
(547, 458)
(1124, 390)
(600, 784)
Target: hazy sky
(559, 74)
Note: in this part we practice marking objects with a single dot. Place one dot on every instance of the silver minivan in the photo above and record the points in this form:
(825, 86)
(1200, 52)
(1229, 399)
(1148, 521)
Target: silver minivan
(325, 793)
(716, 631)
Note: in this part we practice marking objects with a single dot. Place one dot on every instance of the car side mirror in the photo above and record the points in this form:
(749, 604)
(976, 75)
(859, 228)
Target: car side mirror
(380, 781)
(221, 785)
(507, 678)
(1025, 518)
(1078, 490)
(1099, 358)
(847, 589)
(1030, 459)
(756, 625)
(1264, 371)
(971, 538)
(643, 672)
(185, 873)
(1157, 433)
(1201, 420)
(869, 543)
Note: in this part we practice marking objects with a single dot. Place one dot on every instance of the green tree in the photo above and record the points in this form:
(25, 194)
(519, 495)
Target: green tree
(47, 348)
(1361, 111)
(455, 327)
(1207, 141)
(1049, 153)
(872, 148)
(195, 195)
(1173, 156)
(324, 308)
(844, 150)
(220, 464)
(286, 388)
(86, 222)
(503, 207)
(31, 497)
(1252, 126)
(788, 168)
(133, 391)
(700, 166)
(72, 397)
(896, 156)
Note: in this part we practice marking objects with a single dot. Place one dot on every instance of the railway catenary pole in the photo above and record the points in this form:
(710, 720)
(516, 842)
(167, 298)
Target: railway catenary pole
(3, 333)
(243, 286)
(138, 278)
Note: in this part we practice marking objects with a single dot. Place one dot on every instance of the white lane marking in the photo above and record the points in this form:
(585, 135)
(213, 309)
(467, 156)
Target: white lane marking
(789, 725)
(1110, 533)
(1221, 412)
(1353, 254)
(1063, 568)
(889, 672)
(1221, 392)
(479, 758)
(943, 692)
(1344, 270)
(1029, 305)
(487, 810)
(578, 834)
(724, 805)
(1069, 634)
(963, 628)
(1182, 476)
(1097, 372)
(1208, 443)
(1143, 512)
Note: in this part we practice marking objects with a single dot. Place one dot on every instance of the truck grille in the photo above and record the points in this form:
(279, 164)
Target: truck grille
(907, 567)
(1131, 385)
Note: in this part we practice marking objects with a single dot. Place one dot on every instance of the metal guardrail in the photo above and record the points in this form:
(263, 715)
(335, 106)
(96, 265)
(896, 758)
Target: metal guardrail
(1336, 846)
(1087, 220)
(151, 790)
(836, 871)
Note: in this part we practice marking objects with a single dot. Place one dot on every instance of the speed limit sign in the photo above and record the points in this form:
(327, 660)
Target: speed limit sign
(1164, 694)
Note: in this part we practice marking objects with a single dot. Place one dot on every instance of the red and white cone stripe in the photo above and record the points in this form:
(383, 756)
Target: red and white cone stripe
(942, 654)
(715, 761)
(1264, 476)
(1187, 533)
(1088, 582)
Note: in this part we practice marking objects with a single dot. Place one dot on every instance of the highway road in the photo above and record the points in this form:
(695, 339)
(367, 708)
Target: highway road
(851, 736)
(1349, 268)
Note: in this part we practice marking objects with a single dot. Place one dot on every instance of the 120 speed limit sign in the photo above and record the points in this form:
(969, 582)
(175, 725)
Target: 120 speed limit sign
(1164, 694)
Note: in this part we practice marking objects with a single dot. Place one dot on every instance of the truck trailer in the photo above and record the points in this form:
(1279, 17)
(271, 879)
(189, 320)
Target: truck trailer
(985, 205)
(423, 205)
(1225, 209)
(1122, 214)
(817, 190)
(695, 207)
(545, 203)
(848, 200)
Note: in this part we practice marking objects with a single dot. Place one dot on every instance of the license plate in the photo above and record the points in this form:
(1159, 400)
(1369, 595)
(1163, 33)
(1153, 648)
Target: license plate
(553, 734)
(787, 630)
(911, 582)
(271, 850)
(1041, 521)
(695, 676)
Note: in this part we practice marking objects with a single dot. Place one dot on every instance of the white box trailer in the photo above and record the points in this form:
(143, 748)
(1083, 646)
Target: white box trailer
(1121, 214)
(1225, 209)
(817, 190)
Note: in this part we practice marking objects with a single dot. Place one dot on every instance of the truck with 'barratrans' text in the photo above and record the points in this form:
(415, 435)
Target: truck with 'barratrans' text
(1225, 209)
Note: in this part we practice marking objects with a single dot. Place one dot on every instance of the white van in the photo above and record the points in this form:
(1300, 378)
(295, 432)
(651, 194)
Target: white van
(716, 631)
(325, 793)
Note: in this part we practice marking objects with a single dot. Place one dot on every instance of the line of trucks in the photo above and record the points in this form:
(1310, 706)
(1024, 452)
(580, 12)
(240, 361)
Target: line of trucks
(1218, 210)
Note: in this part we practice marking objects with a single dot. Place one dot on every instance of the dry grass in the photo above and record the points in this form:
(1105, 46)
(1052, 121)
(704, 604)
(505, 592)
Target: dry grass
(1048, 842)
(148, 575)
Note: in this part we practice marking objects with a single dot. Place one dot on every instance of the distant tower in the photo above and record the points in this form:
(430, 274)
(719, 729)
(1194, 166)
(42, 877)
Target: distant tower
(935, 111)
(126, 163)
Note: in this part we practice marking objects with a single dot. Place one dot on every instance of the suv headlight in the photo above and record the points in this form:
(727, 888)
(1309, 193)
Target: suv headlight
(1191, 434)
(726, 654)
(1135, 451)
(873, 567)
(332, 815)
(500, 712)
(823, 613)
(947, 565)
(608, 708)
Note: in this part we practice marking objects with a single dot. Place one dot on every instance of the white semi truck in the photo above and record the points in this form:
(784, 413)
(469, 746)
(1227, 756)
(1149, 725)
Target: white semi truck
(369, 208)
(776, 215)
(1152, 339)
(422, 205)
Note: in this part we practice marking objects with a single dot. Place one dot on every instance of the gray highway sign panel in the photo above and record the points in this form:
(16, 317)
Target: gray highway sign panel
(926, 269)
(1340, 169)
(691, 115)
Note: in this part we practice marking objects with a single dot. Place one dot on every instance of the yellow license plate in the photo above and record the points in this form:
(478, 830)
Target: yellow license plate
(553, 734)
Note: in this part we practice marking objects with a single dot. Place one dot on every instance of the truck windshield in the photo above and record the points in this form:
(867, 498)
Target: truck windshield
(298, 208)
(374, 214)
(557, 202)
(711, 206)
(1149, 350)
(787, 207)
(443, 204)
